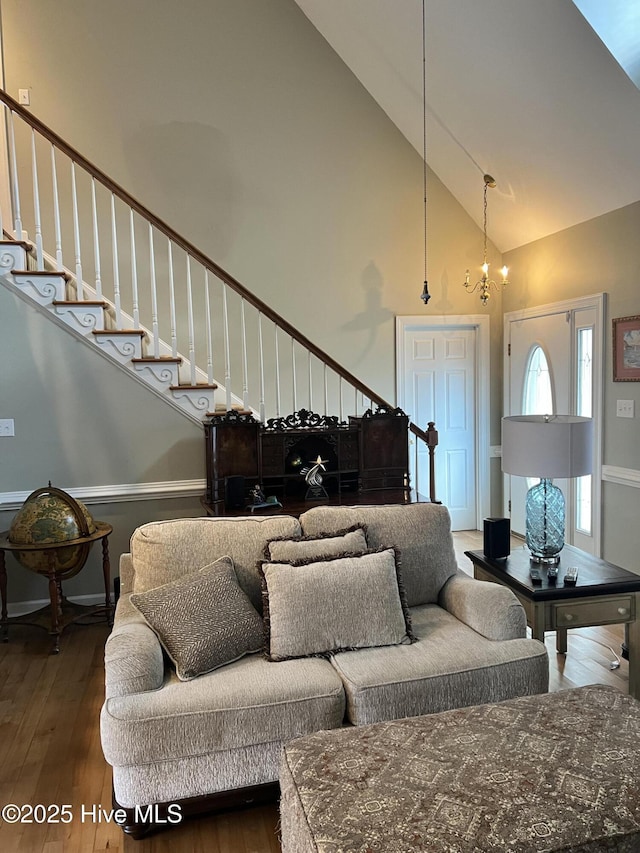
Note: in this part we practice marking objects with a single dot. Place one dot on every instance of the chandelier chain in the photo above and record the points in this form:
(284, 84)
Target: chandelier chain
(485, 222)
(425, 292)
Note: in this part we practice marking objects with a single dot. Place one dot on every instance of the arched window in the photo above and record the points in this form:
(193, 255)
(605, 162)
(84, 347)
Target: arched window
(537, 393)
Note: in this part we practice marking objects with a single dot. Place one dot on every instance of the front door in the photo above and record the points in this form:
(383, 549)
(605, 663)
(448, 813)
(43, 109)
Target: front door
(554, 359)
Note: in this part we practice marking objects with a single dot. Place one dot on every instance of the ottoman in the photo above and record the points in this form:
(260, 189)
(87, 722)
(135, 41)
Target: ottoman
(551, 772)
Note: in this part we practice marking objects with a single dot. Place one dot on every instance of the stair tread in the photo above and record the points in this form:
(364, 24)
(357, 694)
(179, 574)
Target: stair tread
(149, 359)
(33, 273)
(140, 332)
(198, 387)
(25, 245)
(100, 302)
(219, 413)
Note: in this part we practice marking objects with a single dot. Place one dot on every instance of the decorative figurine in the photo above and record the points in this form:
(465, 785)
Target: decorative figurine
(313, 477)
(257, 495)
(259, 501)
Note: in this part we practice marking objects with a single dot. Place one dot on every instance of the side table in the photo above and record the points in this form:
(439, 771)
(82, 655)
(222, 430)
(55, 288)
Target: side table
(605, 594)
(60, 613)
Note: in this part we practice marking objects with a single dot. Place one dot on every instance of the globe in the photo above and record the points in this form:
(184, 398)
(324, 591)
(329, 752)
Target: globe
(51, 516)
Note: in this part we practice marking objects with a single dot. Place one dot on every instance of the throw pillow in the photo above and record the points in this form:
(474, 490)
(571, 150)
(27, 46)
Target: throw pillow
(332, 605)
(352, 540)
(203, 620)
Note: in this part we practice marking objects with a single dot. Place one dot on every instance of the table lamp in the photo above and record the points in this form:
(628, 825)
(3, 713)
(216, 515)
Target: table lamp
(546, 446)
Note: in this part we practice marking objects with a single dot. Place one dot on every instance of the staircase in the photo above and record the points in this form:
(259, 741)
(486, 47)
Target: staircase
(138, 293)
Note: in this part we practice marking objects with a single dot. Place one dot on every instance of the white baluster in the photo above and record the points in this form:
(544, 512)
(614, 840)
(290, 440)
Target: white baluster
(13, 165)
(340, 393)
(134, 272)
(310, 381)
(172, 301)
(192, 345)
(56, 210)
(261, 362)
(116, 269)
(245, 378)
(154, 296)
(277, 356)
(96, 239)
(207, 303)
(294, 395)
(227, 359)
(326, 388)
(36, 203)
(76, 235)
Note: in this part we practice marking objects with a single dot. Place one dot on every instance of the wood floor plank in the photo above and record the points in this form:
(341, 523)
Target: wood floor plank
(50, 741)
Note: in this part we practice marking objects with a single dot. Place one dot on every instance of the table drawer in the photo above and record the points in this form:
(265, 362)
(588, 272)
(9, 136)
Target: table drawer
(593, 611)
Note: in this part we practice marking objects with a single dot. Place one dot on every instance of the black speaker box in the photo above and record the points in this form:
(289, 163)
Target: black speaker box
(497, 538)
(234, 496)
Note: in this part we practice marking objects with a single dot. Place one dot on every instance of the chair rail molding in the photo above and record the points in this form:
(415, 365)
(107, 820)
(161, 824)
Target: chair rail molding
(117, 493)
(621, 476)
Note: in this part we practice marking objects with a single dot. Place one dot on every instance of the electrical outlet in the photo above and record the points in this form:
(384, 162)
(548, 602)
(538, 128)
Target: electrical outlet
(625, 409)
(7, 426)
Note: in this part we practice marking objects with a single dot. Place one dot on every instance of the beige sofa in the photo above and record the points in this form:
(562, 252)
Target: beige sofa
(462, 642)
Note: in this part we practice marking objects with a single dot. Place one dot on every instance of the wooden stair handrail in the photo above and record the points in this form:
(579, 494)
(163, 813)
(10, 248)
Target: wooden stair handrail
(194, 252)
(188, 247)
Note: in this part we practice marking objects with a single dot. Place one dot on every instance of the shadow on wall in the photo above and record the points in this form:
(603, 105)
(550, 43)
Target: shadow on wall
(374, 315)
(186, 174)
(440, 302)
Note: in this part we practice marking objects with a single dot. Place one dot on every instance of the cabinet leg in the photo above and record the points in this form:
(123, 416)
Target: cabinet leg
(561, 641)
(3, 595)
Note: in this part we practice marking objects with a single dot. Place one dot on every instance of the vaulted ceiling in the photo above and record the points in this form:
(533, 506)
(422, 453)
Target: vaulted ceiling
(522, 89)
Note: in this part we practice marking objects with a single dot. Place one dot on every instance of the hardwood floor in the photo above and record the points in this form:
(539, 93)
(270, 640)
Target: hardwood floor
(50, 744)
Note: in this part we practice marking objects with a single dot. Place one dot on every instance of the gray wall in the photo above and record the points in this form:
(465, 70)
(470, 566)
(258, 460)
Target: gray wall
(235, 122)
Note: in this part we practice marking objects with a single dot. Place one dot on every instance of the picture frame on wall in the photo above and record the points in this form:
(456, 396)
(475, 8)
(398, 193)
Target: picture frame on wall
(626, 349)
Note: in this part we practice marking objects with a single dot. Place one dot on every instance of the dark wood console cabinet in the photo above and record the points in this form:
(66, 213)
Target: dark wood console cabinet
(366, 453)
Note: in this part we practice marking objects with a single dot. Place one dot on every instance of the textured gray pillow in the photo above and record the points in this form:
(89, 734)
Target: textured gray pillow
(335, 604)
(350, 541)
(203, 620)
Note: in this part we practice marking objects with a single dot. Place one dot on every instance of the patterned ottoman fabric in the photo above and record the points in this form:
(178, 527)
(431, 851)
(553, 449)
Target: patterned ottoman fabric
(552, 772)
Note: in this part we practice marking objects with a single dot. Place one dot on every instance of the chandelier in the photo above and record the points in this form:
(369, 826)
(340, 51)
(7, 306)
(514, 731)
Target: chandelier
(485, 284)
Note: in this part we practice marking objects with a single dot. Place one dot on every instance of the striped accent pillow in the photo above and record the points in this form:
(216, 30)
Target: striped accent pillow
(203, 620)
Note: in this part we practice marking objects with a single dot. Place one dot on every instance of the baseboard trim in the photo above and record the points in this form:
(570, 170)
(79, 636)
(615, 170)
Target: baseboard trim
(22, 608)
(621, 476)
(119, 493)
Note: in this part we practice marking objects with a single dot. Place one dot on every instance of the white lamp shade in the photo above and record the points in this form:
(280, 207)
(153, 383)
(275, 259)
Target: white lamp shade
(551, 446)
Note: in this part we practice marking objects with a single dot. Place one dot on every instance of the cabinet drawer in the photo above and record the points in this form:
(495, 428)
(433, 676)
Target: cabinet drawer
(593, 611)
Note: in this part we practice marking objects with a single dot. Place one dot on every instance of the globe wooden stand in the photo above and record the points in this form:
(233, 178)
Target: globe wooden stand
(60, 613)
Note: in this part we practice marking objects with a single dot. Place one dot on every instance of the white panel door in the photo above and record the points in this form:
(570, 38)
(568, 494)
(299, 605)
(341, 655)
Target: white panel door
(440, 385)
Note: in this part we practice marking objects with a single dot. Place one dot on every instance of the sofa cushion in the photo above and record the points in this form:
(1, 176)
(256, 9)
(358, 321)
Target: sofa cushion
(420, 532)
(450, 666)
(338, 603)
(203, 620)
(248, 702)
(163, 550)
(343, 542)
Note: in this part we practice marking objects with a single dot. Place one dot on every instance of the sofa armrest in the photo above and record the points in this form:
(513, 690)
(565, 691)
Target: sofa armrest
(133, 658)
(489, 608)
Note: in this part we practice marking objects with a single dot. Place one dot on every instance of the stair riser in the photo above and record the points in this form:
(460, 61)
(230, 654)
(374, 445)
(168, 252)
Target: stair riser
(41, 289)
(161, 376)
(83, 319)
(12, 257)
